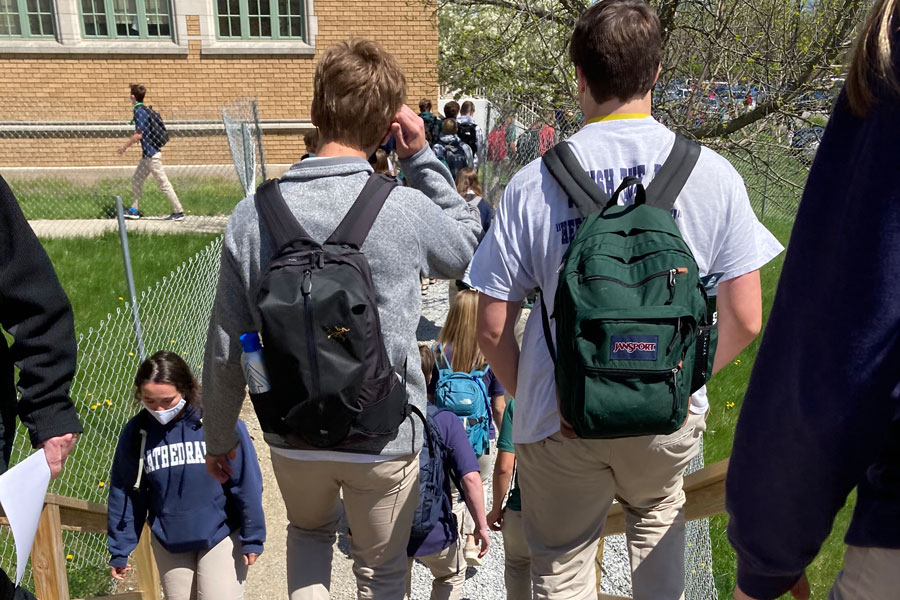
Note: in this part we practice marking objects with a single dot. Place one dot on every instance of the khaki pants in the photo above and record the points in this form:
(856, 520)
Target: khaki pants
(379, 499)
(215, 574)
(569, 486)
(153, 165)
(517, 572)
(448, 568)
(868, 574)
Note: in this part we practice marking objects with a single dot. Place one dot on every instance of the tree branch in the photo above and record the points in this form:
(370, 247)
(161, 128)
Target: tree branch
(561, 19)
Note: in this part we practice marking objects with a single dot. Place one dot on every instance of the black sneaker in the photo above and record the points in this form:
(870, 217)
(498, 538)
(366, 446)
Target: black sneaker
(175, 217)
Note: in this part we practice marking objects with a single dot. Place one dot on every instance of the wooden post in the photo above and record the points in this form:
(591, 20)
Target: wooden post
(48, 557)
(147, 573)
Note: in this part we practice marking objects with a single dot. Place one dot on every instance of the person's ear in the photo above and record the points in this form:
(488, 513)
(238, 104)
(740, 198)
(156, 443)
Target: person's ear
(579, 78)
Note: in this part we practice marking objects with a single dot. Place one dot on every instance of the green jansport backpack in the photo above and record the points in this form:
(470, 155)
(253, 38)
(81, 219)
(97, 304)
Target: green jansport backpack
(634, 338)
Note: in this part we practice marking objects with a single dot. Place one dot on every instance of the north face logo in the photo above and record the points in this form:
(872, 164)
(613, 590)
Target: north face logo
(632, 347)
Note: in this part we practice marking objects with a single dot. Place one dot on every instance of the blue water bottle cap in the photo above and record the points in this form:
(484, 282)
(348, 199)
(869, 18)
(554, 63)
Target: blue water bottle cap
(250, 341)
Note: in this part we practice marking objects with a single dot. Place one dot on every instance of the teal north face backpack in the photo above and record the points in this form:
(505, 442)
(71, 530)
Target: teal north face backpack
(634, 336)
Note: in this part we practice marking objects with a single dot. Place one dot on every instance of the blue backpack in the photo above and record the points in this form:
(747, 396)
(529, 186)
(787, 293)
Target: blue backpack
(433, 461)
(466, 396)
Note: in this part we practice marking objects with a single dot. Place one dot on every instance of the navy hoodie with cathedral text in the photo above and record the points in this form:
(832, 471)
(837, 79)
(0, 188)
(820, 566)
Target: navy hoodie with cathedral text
(186, 508)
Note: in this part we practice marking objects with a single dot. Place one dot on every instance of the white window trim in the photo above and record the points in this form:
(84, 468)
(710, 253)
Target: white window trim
(212, 45)
(69, 39)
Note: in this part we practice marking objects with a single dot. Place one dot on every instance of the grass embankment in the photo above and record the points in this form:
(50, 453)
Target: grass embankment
(58, 198)
(726, 393)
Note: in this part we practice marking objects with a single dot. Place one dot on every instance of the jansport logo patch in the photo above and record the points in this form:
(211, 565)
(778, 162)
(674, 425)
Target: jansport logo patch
(633, 347)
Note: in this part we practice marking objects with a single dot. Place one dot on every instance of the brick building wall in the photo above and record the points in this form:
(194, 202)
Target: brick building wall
(189, 83)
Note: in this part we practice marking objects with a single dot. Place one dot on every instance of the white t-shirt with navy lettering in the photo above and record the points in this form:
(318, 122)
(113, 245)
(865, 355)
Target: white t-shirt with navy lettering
(535, 222)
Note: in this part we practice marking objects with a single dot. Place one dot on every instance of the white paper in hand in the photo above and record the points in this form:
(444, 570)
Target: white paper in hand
(22, 492)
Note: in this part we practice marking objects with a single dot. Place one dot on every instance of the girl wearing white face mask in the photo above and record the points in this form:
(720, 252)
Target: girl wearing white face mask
(204, 534)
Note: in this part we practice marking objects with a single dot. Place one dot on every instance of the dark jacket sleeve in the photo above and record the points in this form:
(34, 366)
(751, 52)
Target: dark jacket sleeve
(126, 507)
(34, 309)
(824, 395)
(245, 488)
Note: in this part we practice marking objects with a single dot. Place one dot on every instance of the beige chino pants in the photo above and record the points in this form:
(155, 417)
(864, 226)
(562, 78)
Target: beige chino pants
(153, 165)
(215, 574)
(379, 499)
(569, 485)
(868, 574)
(517, 571)
(448, 568)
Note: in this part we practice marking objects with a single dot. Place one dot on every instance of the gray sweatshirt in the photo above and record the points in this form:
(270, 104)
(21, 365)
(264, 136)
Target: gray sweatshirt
(426, 228)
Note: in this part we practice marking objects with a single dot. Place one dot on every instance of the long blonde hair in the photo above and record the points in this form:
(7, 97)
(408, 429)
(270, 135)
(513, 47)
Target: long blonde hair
(872, 58)
(459, 332)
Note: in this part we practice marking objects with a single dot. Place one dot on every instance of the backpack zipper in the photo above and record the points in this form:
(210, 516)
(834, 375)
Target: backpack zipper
(306, 290)
(671, 273)
(673, 372)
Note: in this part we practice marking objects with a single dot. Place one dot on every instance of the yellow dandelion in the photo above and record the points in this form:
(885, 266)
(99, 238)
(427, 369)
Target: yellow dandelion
(101, 484)
(69, 556)
(108, 402)
(93, 407)
(121, 298)
(131, 354)
(89, 395)
(173, 341)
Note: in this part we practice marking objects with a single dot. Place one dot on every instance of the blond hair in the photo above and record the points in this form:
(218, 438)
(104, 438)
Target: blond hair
(467, 179)
(357, 91)
(872, 62)
(459, 332)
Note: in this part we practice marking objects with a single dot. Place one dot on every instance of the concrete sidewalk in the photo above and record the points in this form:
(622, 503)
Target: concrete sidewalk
(52, 228)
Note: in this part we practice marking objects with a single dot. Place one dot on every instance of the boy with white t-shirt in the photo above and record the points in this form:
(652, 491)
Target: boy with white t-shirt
(570, 483)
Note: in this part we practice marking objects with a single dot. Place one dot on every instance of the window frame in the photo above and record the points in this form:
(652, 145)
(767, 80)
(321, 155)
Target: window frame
(25, 23)
(111, 25)
(274, 15)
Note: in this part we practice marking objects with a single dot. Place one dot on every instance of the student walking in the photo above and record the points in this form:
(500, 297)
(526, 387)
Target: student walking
(150, 132)
(569, 482)
(205, 533)
(822, 411)
(349, 435)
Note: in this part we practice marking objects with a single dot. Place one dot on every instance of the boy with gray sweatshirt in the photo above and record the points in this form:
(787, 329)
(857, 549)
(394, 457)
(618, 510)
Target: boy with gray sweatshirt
(358, 103)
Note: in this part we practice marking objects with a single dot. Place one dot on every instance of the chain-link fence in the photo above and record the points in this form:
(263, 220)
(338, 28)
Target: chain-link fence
(174, 315)
(772, 155)
(66, 166)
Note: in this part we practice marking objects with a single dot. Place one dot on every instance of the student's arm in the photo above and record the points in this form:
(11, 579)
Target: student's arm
(497, 338)
(223, 380)
(448, 235)
(34, 309)
(503, 472)
(498, 405)
(739, 307)
(126, 507)
(473, 492)
(135, 138)
(245, 487)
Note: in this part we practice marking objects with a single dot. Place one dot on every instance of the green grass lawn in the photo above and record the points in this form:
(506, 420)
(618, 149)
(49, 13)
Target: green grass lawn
(92, 270)
(58, 198)
(728, 386)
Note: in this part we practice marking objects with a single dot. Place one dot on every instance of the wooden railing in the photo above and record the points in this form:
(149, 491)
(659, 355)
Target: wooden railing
(705, 492)
(48, 556)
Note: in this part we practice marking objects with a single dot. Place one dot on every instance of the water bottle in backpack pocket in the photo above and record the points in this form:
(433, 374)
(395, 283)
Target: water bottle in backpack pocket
(466, 396)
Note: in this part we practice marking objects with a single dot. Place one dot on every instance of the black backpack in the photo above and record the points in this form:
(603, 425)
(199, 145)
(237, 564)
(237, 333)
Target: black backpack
(468, 134)
(455, 157)
(433, 471)
(332, 381)
(157, 129)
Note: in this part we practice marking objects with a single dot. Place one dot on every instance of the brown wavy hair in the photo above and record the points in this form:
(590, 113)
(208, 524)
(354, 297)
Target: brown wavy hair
(168, 367)
(467, 179)
(872, 65)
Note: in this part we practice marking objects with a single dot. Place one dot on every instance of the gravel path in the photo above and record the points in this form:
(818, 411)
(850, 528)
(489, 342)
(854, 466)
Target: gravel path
(267, 579)
(52, 228)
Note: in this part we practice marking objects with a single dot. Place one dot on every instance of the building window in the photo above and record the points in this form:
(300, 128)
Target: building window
(260, 19)
(126, 19)
(26, 18)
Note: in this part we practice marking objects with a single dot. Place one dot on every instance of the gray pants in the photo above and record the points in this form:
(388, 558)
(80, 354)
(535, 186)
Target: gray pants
(868, 574)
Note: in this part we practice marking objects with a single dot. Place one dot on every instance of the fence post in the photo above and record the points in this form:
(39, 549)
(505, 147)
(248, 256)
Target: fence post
(129, 278)
(48, 557)
(249, 158)
(147, 572)
(259, 143)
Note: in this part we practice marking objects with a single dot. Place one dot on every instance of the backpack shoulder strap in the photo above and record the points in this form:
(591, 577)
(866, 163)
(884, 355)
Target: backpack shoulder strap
(278, 219)
(567, 171)
(359, 219)
(669, 181)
